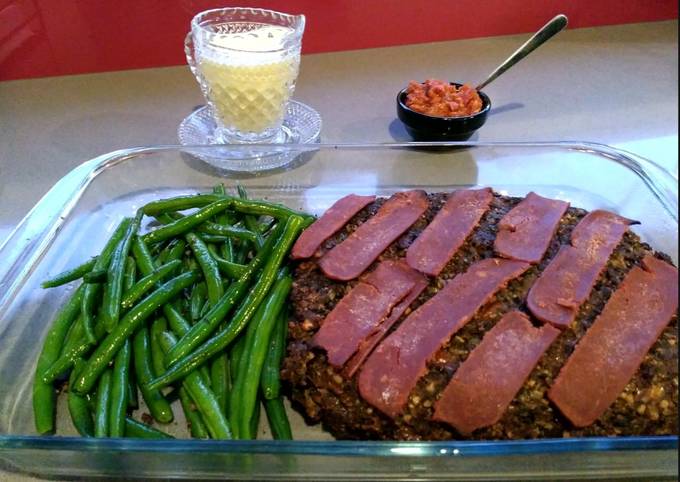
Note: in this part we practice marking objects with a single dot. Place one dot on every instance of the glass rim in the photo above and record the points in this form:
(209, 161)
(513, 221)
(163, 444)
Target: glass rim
(296, 35)
(363, 448)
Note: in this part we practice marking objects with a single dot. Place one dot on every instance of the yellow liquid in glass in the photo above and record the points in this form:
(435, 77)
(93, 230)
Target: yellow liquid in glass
(249, 79)
(250, 98)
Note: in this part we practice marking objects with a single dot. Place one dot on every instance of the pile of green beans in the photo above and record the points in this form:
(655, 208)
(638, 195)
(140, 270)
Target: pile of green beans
(185, 303)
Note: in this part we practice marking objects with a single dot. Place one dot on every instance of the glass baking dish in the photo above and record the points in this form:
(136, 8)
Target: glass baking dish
(77, 215)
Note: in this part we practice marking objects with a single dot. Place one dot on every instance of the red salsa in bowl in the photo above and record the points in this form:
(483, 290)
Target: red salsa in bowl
(441, 99)
(439, 111)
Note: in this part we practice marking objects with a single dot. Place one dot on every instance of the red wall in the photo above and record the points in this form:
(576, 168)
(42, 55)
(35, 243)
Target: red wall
(41, 38)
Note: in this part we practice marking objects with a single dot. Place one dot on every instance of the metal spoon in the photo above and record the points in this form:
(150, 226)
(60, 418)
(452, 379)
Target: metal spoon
(548, 31)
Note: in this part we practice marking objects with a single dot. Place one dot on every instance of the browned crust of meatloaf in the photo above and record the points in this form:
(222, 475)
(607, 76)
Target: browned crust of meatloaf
(647, 406)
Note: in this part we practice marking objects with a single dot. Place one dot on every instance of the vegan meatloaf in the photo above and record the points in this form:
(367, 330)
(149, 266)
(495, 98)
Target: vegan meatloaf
(647, 406)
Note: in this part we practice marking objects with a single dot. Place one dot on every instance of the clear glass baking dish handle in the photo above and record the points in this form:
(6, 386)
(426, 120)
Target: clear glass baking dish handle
(662, 183)
(27, 243)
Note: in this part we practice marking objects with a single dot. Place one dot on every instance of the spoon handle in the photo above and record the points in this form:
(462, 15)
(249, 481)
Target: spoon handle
(549, 30)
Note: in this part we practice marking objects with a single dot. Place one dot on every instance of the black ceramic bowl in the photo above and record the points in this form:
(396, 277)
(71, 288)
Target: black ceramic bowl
(423, 127)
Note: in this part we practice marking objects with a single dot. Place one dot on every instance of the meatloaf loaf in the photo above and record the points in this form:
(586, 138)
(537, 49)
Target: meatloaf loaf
(325, 393)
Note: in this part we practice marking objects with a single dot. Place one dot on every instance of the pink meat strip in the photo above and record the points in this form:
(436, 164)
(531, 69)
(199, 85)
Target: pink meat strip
(525, 232)
(327, 225)
(482, 388)
(350, 258)
(367, 346)
(393, 369)
(566, 283)
(364, 308)
(613, 348)
(447, 232)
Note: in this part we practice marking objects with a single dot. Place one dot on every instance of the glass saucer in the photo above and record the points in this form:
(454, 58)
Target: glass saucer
(301, 125)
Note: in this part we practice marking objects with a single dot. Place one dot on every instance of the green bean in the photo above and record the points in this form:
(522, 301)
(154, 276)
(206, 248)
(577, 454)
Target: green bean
(236, 400)
(180, 203)
(132, 396)
(77, 350)
(129, 274)
(203, 328)
(181, 305)
(186, 223)
(268, 223)
(119, 390)
(162, 253)
(227, 251)
(143, 257)
(250, 221)
(255, 420)
(176, 322)
(236, 356)
(146, 266)
(107, 349)
(219, 376)
(204, 372)
(226, 245)
(95, 277)
(69, 357)
(156, 248)
(245, 312)
(158, 326)
(235, 359)
(177, 251)
(173, 250)
(206, 326)
(167, 218)
(196, 301)
(215, 238)
(190, 263)
(241, 254)
(74, 336)
(236, 405)
(204, 399)
(44, 394)
(113, 291)
(271, 371)
(278, 420)
(227, 268)
(262, 208)
(129, 277)
(242, 193)
(158, 406)
(194, 419)
(135, 429)
(102, 405)
(204, 309)
(216, 231)
(225, 217)
(211, 272)
(70, 275)
(79, 406)
(266, 318)
(92, 290)
(145, 284)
